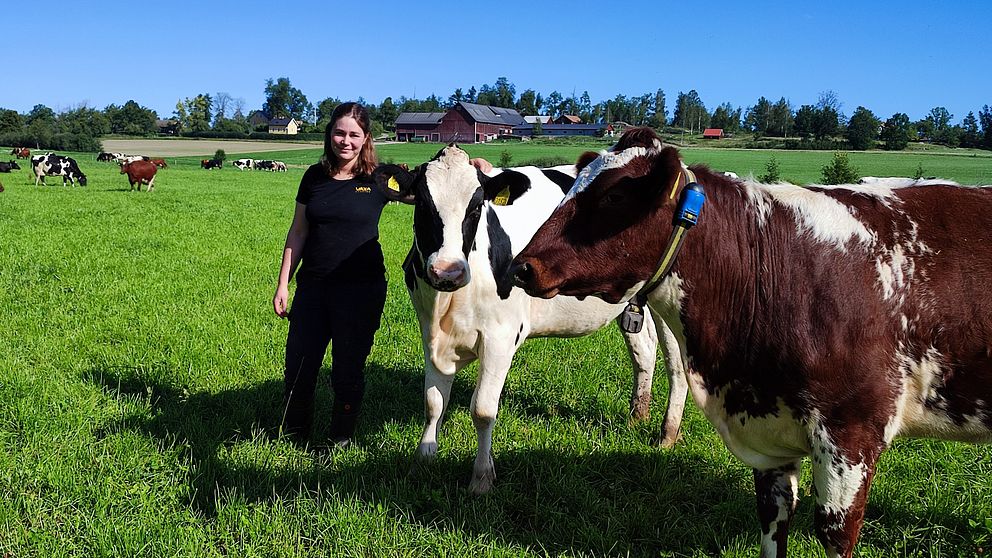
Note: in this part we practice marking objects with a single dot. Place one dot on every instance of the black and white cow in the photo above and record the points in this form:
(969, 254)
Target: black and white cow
(467, 227)
(51, 164)
(7, 167)
(242, 164)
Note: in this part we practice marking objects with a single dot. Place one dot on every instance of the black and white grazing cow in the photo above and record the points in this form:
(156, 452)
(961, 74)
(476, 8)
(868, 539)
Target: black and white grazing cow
(467, 226)
(51, 164)
(820, 321)
(242, 164)
(11, 166)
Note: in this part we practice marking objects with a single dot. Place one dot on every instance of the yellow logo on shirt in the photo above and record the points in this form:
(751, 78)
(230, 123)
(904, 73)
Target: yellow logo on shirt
(363, 190)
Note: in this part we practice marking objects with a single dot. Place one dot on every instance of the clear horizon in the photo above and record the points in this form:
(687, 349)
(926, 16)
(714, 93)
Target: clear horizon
(888, 58)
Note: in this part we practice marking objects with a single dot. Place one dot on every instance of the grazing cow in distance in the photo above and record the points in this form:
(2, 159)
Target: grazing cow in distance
(467, 226)
(820, 321)
(51, 164)
(279, 166)
(7, 167)
(211, 164)
(21, 153)
(139, 172)
(132, 158)
(263, 164)
(104, 157)
(160, 163)
(242, 164)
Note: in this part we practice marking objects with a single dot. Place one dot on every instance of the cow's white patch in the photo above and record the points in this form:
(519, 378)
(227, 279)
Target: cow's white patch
(921, 411)
(452, 181)
(836, 478)
(821, 216)
(608, 160)
(893, 267)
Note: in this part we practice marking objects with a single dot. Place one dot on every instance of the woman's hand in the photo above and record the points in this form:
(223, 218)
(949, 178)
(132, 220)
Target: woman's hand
(280, 302)
(481, 164)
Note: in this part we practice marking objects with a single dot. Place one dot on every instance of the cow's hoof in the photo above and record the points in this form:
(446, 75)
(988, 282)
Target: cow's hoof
(667, 440)
(482, 484)
(426, 451)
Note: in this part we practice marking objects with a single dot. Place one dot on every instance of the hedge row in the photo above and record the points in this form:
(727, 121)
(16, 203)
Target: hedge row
(53, 142)
(213, 134)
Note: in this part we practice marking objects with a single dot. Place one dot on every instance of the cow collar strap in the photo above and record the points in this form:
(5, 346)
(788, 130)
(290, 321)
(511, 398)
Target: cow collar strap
(686, 215)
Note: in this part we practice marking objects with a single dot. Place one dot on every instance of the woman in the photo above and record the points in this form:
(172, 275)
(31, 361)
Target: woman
(341, 284)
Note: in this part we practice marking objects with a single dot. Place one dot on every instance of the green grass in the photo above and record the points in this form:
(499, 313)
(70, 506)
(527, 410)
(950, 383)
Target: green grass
(140, 378)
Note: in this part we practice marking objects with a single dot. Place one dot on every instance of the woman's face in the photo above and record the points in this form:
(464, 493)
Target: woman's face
(347, 139)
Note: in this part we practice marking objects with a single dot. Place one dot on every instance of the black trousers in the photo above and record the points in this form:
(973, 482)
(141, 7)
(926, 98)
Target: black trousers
(345, 315)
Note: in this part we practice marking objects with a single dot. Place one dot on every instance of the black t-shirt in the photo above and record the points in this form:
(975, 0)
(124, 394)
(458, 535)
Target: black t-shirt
(343, 240)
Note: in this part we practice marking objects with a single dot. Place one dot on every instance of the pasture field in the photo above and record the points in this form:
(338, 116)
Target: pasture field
(140, 385)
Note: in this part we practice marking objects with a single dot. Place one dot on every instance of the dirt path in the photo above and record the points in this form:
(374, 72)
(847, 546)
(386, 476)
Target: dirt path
(199, 147)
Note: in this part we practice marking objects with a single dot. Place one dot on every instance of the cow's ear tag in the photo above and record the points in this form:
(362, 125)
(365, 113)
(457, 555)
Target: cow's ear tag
(393, 184)
(502, 198)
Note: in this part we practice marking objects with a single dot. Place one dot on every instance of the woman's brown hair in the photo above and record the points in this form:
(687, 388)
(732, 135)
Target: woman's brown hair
(367, 160)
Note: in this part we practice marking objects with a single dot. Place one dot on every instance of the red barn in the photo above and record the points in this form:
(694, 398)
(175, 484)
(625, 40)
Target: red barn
(713, 133)
(462, 123)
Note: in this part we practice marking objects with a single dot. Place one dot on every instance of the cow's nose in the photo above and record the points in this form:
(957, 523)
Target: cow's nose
(448, 272)
(523, 273)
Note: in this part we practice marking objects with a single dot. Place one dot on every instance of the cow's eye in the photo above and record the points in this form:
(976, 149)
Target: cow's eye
(612, 199)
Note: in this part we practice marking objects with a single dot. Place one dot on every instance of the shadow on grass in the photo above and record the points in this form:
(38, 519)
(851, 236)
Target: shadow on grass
(638, 500)
(553, 499)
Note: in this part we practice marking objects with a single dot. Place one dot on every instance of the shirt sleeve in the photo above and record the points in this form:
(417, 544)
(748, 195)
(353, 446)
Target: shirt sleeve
(306, 184)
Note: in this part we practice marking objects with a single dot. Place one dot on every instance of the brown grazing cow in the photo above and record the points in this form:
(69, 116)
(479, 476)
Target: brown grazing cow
(815, 322)
(139, 172)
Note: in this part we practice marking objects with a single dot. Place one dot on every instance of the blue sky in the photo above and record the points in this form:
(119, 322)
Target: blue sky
(890, 57)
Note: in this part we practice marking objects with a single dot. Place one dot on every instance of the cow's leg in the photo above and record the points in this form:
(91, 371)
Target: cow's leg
(494, 363)
(151, 184)
(777, 492)
(842, 476)
(643, 350)
(437, 393)
(678, 387)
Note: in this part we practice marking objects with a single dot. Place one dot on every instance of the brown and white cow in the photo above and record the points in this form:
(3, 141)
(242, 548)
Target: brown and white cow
(140, 172)
(819, 321)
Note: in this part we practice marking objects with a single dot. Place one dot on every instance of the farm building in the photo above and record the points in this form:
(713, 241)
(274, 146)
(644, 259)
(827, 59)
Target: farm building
(713, 133)
(463, 123)
(418, 126)
(257, 119)
(527, 130)
(567, 119)
(542, 118)
(288, 126)
(168, 127)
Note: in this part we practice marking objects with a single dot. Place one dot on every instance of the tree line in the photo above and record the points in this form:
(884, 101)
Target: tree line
(819, 125)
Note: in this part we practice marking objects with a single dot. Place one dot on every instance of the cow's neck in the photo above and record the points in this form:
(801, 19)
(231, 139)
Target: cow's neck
(712, 286)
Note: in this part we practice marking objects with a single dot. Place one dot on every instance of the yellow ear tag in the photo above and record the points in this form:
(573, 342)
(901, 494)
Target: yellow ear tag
(502, 198)
(392, 184)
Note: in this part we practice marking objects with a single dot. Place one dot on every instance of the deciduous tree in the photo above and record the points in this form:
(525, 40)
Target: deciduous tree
(862, 129)
(896, 132)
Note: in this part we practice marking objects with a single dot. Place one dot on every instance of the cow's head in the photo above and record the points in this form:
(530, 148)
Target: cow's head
(13, 165)
(448, 194)
(594, 244)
